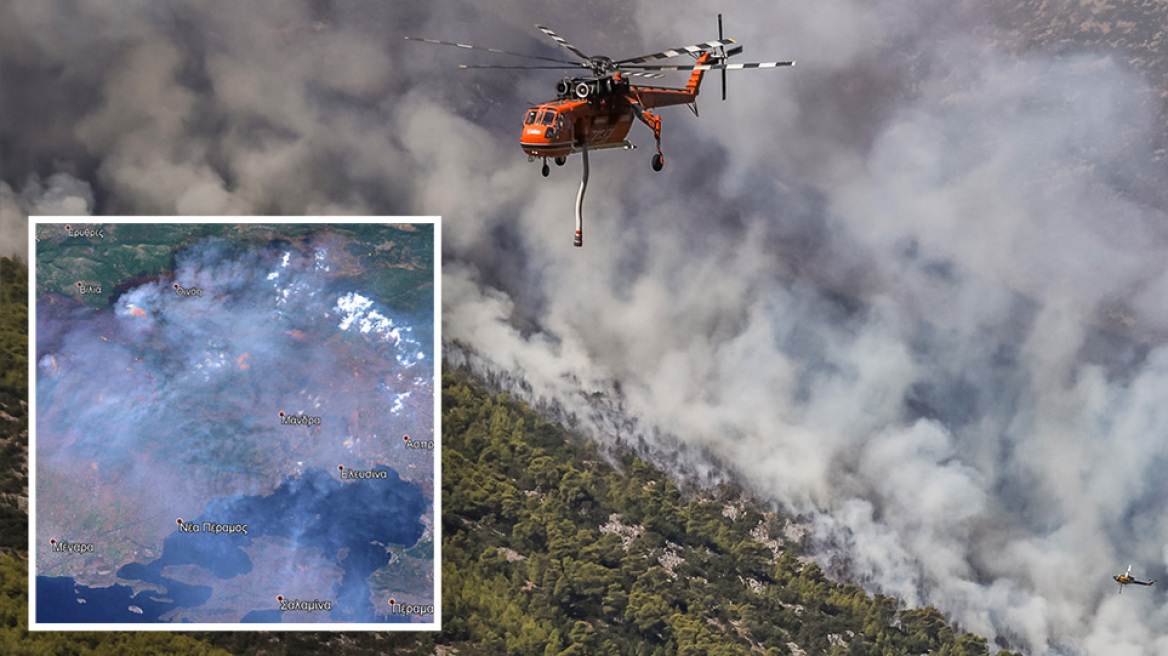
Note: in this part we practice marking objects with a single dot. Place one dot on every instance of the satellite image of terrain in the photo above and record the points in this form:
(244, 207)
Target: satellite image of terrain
(234, 423)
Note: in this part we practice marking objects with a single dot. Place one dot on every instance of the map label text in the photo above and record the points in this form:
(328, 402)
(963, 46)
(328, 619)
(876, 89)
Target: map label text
(309, 606)
(372, 473)
(300, 421)
(188, 291)
(72, 547)
(92, 233)
(411, 609)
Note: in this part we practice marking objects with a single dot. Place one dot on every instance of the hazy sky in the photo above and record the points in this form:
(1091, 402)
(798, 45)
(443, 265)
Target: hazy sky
(913, 287)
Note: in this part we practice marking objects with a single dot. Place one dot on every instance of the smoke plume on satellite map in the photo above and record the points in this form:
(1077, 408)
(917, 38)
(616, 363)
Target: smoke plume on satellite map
(234, 432)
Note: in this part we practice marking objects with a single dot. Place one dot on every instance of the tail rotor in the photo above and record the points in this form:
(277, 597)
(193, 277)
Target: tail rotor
(722, 53)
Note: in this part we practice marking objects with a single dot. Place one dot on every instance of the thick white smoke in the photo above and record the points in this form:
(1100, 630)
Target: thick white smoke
(913, 287)
(942, 336)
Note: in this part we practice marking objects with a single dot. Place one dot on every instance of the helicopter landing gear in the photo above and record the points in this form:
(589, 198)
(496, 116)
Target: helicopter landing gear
(560, 161)
(654, 122)
(545, 170)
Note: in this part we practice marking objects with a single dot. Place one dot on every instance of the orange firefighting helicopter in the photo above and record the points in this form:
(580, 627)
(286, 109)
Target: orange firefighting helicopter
(595, 112)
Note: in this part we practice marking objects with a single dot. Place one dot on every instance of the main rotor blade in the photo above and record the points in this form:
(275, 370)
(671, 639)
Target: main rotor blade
(711, 67)
(494, 50)
(560, 67)
(560, 40)
(683, 50)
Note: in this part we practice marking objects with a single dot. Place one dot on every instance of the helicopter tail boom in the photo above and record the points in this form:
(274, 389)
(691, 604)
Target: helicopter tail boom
(695, 80)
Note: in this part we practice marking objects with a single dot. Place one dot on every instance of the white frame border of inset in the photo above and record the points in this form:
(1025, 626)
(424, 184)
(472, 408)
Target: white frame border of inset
(92, 221)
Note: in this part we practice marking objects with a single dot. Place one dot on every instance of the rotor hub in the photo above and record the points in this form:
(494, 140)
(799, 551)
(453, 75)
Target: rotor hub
(601, 65)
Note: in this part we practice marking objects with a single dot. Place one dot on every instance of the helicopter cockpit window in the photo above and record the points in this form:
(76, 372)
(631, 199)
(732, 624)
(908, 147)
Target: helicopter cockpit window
(531, 114)
(547, 118)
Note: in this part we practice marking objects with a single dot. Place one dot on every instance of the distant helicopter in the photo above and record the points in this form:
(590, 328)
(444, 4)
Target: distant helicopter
(1127, 579)
(596, 111)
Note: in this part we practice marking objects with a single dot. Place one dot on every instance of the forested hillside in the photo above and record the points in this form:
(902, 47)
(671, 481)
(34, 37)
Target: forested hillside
(13, 326)
(13, 405)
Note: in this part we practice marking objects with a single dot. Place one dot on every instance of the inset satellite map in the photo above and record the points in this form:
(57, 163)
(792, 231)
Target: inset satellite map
(234, 423)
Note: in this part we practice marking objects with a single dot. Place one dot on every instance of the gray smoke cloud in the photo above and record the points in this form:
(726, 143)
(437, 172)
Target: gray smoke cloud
(912, 288)
(60, 195)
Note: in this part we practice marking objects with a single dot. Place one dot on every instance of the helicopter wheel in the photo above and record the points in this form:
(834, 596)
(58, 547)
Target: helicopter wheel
(560, 161)
(658, 162)
(545, 170)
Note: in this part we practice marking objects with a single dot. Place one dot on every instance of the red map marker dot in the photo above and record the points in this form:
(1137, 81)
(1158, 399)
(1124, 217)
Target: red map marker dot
(281, 414)
(340, 468)
(279, 597)
(179, 520)
(176, 285)
(78, 284)
(406, 438)
(52, 542)
(68, 227)
(391, 602)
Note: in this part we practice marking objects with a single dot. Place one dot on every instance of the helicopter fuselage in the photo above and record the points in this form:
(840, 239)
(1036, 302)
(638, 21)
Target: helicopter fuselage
(597, 112)
(562, 127)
